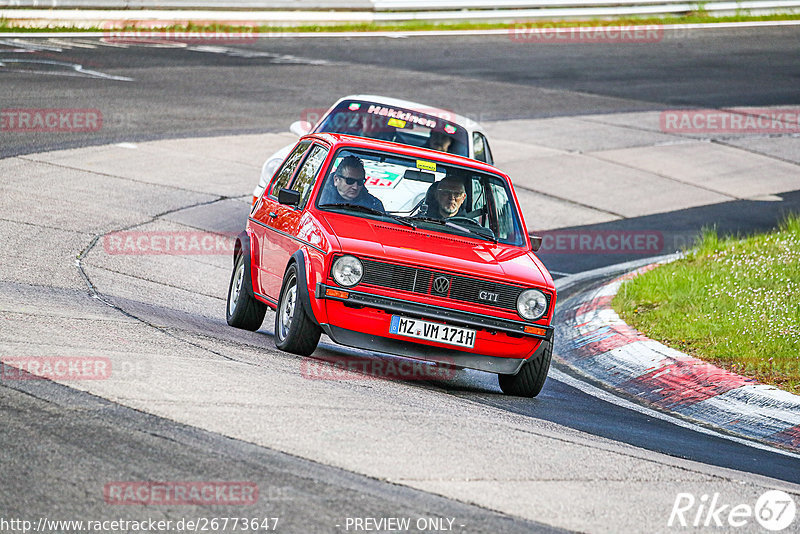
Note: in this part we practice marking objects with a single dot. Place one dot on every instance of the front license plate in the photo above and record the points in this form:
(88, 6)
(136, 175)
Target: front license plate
(419, 329)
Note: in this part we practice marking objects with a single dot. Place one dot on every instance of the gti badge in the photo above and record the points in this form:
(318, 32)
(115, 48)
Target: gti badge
(488, 296)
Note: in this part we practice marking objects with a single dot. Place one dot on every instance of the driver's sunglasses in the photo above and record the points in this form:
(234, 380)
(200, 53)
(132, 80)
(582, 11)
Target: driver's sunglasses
(450, 193)
(351, 181)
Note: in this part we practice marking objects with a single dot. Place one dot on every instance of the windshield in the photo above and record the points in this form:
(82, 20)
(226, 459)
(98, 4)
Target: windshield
(422, 194)
(393, 123)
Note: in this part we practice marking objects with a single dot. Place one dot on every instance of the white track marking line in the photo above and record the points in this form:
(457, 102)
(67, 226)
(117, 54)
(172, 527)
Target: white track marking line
(433, 33)
(71, 43)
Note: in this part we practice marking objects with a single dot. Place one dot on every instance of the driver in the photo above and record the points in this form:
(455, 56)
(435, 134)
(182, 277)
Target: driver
(450, 195)
(439, 141)
(348, 186)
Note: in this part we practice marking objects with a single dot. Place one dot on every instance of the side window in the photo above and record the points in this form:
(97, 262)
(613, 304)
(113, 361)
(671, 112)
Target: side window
(507, 227)
(487, 151)
(287, 170)
(304, 182)
(481, 148)
(478, 146)
(478, 202)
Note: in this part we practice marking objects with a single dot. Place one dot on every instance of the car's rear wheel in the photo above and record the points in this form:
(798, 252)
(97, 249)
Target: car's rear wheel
(243, 310)
(295, 332)
(529, 380)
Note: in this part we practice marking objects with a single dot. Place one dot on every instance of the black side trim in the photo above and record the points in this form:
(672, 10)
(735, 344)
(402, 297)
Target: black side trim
(243, 240)
(270, 299)
(463, 318)
(290, 236)
(302, 289)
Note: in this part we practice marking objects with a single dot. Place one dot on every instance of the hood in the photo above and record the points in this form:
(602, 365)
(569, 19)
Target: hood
(437, 250)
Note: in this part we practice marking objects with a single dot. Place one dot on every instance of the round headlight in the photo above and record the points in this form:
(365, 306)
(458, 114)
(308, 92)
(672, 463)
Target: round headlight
(531, 304)
(347, 271)
(269, 169)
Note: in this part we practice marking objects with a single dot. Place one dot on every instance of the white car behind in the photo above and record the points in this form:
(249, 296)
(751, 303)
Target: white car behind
(390, 119)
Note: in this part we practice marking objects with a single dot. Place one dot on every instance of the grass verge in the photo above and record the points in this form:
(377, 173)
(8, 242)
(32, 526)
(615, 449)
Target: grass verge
(7, 25)
(733, 302)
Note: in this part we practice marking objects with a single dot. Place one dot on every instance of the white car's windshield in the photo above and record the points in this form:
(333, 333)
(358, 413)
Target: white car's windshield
(421, 193)
(397, 124)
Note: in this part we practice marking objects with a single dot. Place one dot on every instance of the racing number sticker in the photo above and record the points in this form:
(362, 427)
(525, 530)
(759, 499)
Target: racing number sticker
(381, 174)
(375, 181)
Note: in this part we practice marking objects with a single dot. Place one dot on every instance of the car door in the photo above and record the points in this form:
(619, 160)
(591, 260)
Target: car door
(280, 220)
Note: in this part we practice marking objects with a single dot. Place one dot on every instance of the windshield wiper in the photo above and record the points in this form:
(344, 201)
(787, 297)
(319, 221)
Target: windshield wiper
(450, 224)
(367, 209)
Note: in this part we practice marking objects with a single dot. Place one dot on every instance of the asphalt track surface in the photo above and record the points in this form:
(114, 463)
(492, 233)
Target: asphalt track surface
(220, 87)
(53, 435)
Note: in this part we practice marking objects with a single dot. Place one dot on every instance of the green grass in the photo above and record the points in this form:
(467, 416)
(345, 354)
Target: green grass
(733, 302)
(689, 18)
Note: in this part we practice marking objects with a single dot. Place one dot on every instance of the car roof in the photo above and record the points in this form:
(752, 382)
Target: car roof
(467, 123)
(337, 140)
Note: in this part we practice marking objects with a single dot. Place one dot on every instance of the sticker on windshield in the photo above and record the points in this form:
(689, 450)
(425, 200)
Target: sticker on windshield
(426, 165)
(381, 174)
(397, 123)
(449, 128)
(355, 106)
(402, 115)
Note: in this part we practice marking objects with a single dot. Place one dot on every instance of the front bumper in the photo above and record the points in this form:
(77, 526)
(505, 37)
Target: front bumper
(427, 311)
(452, 357)
(502, 346)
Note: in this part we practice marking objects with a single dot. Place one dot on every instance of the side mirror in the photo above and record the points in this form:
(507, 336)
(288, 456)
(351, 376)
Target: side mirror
(300, 128)
(289, 196)
(536, 242)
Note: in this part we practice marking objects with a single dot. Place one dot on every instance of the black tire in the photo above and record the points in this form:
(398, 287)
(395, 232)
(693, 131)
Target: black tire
(242, 310)
(529, 380)
(295, 332)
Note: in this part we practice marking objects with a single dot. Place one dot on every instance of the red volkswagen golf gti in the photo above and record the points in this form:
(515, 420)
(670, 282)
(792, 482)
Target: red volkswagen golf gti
(399, 250)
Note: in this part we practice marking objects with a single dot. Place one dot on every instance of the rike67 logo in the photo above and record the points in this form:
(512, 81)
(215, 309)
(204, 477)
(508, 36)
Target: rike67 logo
(775, 510)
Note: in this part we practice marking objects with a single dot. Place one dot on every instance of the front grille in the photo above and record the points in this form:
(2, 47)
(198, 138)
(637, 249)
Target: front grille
(389, 275)
(461, 288)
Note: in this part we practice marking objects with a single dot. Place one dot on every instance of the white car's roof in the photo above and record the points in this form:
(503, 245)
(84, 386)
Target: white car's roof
(468, 124)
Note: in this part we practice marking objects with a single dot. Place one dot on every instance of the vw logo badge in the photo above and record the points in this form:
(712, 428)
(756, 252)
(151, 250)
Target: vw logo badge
(441, 284)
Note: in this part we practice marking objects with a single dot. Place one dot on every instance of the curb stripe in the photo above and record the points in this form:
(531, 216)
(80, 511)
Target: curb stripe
(597, 342)
(593, 305)
(789, 438)
(681, 384)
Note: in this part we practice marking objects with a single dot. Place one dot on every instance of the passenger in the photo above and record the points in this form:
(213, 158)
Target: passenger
(450, 195)
(348, 186)
(439, 141)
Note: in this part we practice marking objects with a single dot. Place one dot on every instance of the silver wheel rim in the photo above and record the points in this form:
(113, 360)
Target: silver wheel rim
(236, 288)
(287, 307)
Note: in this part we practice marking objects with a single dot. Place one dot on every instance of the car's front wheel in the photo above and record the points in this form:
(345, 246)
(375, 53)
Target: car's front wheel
(243, 310)
(295, 331)
(529, 380)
